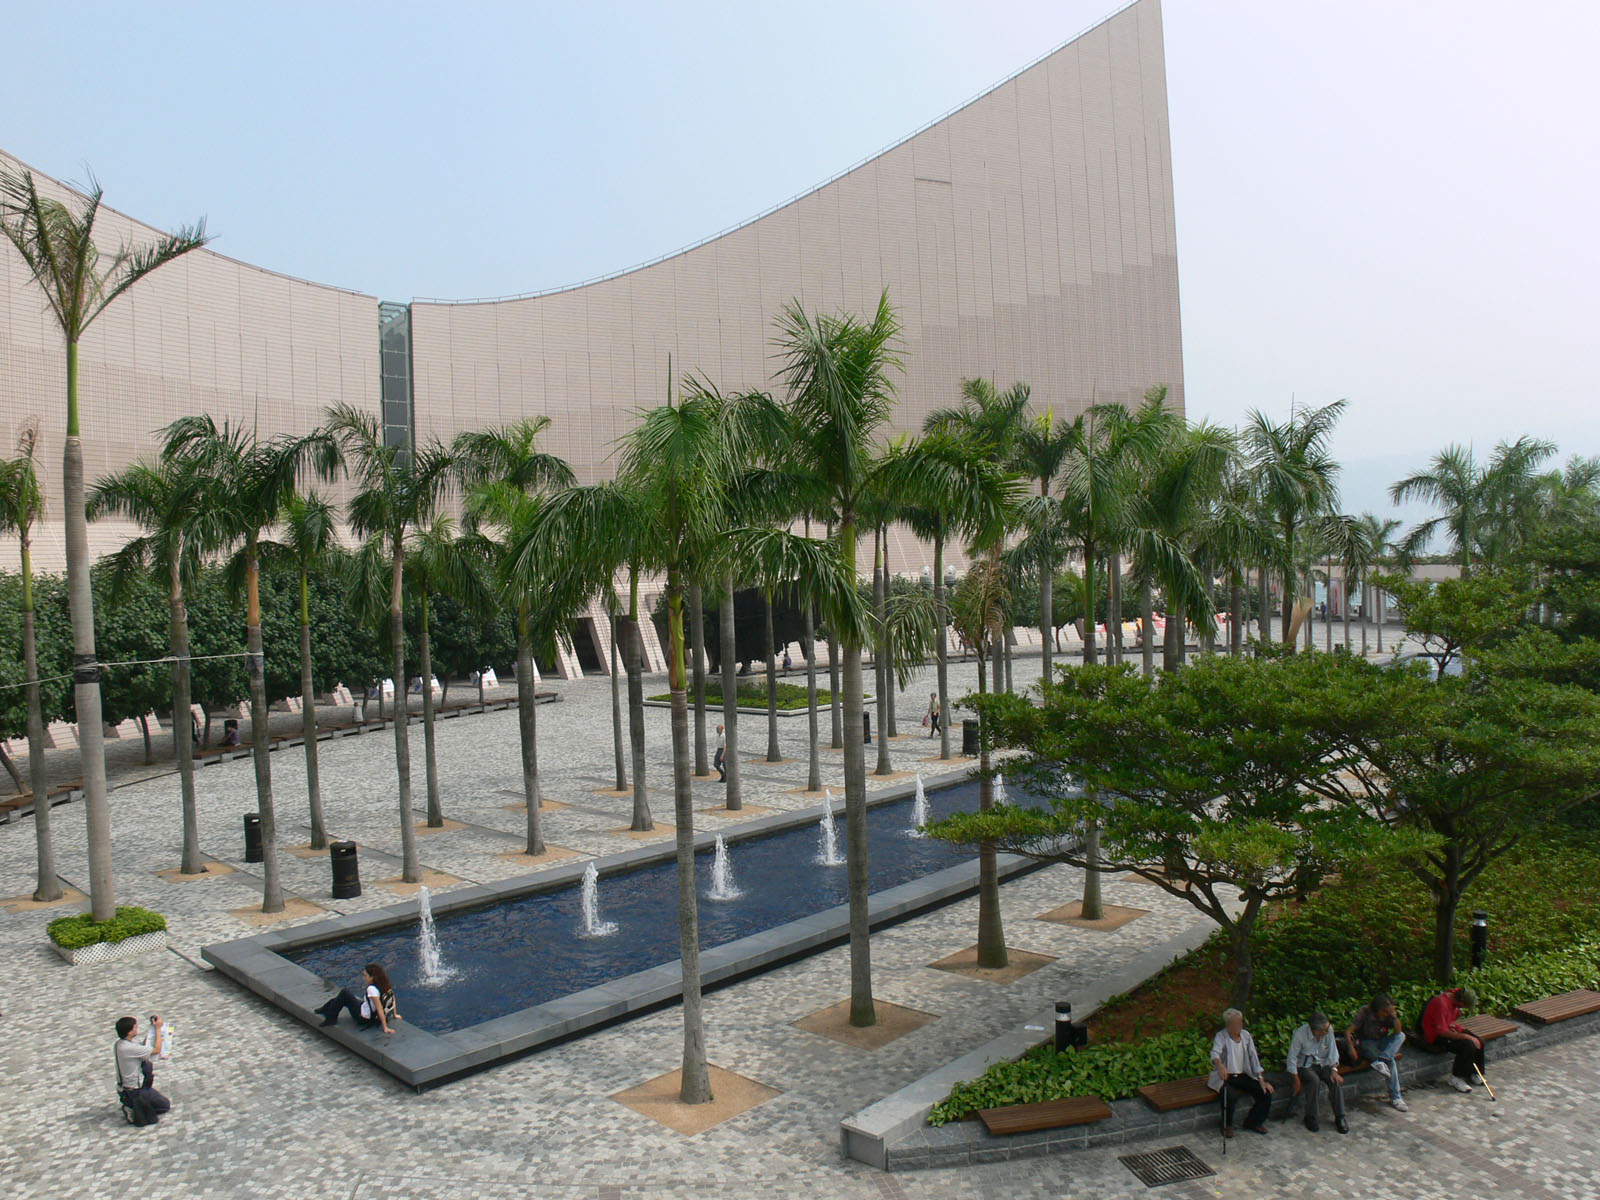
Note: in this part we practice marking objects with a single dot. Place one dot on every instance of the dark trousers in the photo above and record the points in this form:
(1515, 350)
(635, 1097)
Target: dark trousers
(933, 724)
(346, 999)
(1237, 1087)
(717, 760)
(1468, 1056)
(1312, 1080)
(155, 1099)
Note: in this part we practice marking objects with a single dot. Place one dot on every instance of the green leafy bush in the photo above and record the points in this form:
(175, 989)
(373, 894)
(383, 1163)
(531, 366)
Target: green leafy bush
(76, 932)
(791, 697)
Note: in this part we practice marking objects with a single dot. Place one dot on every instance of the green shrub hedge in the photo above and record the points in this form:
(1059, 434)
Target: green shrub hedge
(74, 933)
(791, 697)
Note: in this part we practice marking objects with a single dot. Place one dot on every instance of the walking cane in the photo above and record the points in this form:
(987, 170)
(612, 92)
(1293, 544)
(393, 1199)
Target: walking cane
(1223, 1096)
(1479, 1073)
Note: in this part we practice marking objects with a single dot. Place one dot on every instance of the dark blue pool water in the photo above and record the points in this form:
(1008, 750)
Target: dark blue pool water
(525, 952)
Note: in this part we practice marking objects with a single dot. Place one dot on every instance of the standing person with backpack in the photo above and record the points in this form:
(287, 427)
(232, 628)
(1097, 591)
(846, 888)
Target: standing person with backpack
(375, 1006)
(135, 1075)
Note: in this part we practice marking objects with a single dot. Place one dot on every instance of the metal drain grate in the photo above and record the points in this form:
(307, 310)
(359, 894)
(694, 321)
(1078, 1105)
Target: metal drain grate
(1173, 1165)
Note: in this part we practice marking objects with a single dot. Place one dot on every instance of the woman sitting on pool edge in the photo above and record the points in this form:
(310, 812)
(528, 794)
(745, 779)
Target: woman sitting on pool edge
(376, 1005)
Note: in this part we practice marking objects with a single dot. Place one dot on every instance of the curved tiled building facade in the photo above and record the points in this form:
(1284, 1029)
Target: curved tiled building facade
(1028, 235)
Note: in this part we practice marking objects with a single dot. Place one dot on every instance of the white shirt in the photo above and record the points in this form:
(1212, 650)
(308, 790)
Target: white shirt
(129, 1055)
(369, 1003)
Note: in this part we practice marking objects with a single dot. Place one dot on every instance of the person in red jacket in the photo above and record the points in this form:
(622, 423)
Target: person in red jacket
(1441, 1029)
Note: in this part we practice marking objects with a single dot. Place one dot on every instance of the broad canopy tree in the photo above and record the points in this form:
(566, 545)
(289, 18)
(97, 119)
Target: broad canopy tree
(1202, 783)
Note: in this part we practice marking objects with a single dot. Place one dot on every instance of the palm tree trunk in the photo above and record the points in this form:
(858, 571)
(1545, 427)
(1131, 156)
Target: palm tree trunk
(773, 753)
(1046, 618)
(528, 729)
(1236, 609)
(942, 655)
(1327, 624)
(634, 650)
(86, 671)
(1172, 645)
(880, 658)
(1311, 594)
(726, 634)
(410, 867)
(862, 1010)
(1344, 612)
(261, 735)
(1147, 620)
(1263, 612)
(991, 934)
(835, 701)
(696, 1084)
(430, 761)
(1090, 654)
(308, 718)
(1366, 615)
(814, 751)
(49, 887)
(182, 723)
(697, 643)
(1378, 599)
(1114, 605)
(616, 711)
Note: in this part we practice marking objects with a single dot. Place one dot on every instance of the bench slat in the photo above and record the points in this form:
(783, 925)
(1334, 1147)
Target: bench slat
(1487, 1028)
(1559, 1008)
(1180, 1093)
(1049, 1114)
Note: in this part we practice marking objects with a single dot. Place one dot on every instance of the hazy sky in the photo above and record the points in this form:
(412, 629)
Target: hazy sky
(1391, 202)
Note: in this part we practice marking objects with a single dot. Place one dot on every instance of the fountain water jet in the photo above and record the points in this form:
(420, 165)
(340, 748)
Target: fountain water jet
(593, 926)
(432, 958)
(999, 788)
(829, 857)
(722, 885)
(919, 811)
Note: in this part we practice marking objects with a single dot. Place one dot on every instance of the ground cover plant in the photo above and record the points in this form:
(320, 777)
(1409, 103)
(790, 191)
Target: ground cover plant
(76, 932)
(791, 697)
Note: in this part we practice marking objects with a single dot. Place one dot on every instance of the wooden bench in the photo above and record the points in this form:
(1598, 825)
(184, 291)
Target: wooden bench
(1488, 1028)
(1050, 1114)
(1559, 1008)
(1180, 1093)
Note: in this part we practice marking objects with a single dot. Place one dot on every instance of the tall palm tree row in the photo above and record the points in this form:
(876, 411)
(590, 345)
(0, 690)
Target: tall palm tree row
(57, 243)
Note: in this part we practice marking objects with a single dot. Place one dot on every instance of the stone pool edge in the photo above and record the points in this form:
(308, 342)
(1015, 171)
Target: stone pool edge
(422, 1059)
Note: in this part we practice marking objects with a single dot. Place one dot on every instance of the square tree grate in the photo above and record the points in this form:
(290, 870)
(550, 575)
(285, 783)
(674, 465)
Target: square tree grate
(1173, 1165)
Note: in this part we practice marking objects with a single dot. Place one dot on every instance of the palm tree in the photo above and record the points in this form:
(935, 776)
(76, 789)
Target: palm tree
(1298, 480)
(173, 502)
(309, 542)
(1375, 545)
(978, 611)
(613, 606)
(1042, 446)
(1484, 508)
(438, 561)
(253, 482)
(21, 504)
(58, 246)
(837, 373)
(398, 489)
(508, 476)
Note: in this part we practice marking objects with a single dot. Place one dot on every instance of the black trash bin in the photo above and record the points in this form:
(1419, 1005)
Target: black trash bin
(969, 737)
(252, 837)
(866, 728)
(346, 870)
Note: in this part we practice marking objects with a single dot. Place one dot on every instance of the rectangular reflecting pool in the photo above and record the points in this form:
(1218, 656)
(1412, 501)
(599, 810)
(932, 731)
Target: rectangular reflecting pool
(522, 961)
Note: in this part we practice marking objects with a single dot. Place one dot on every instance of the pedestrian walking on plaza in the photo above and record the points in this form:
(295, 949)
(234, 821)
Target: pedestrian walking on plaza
(375, 1006)
(720, 760)
(1314, 1063)
(135, 1076)
(1376, 1035)
(931, 717)
(1441, 1029)
(1236, 1071)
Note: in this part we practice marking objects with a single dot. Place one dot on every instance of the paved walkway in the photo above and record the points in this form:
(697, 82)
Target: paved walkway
(266, 1107)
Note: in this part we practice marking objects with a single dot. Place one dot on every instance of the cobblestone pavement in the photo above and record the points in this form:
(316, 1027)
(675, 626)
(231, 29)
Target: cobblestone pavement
(266, 1107)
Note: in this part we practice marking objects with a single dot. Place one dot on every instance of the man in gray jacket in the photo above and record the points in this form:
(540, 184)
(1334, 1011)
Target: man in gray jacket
(1314, 1063)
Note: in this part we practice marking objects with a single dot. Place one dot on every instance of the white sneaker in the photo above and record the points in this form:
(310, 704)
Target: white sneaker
(1400, 1105)
(1381, 1067)
(1460, 1085)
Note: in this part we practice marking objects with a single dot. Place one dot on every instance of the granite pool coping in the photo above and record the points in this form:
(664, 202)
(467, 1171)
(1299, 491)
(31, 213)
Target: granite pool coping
(907, 1143)
(420, 1059)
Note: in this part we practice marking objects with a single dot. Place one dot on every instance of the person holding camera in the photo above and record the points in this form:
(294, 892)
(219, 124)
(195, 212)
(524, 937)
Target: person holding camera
(135, 1075)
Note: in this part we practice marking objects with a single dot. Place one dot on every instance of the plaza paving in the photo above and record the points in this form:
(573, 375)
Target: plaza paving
(264, 1106)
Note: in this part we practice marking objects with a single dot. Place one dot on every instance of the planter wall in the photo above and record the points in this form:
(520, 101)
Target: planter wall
(105, 952)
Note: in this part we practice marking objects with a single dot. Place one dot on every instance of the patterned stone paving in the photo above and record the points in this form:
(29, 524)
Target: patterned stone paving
(266, 1107)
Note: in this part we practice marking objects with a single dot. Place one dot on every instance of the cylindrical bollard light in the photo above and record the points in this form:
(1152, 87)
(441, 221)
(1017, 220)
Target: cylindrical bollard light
(252, 837)
(1063, 1025)
(346, 870)
(969, 738)
(1480, 937)
(866, 728)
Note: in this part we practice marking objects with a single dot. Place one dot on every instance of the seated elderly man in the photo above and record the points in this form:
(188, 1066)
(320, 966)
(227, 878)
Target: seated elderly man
(1236, 1071)
(1314, 1063)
